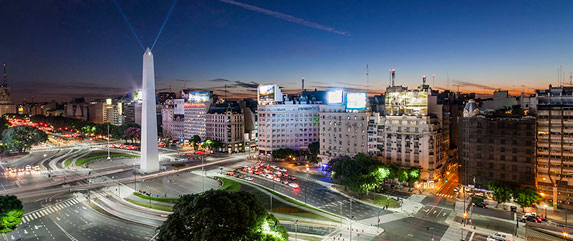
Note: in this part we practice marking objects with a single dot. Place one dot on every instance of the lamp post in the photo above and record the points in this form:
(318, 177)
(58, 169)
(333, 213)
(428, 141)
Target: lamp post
(545, 206)
(350, 219)
(296, 230)
(378, 226)
(108, 157)
(431, 228)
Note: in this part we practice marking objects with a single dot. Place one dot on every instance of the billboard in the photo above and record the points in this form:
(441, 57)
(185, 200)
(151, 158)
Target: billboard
(334, 97)
(200, 96)
(138, 95)
(356, 100)
(267, 92)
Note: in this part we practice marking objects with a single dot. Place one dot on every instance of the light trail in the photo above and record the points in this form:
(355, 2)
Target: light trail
(163, 25)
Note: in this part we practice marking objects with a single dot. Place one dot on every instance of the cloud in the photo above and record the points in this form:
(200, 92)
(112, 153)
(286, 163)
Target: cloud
(461, 83)
(286, 17)
(249, 85)
(219, 80)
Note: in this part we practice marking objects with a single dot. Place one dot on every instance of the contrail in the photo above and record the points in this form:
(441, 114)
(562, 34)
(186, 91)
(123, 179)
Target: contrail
(128, 24)
(163, 25)
(286, 17)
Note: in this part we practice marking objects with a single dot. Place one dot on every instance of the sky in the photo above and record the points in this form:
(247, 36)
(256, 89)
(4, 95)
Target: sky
(59, 49)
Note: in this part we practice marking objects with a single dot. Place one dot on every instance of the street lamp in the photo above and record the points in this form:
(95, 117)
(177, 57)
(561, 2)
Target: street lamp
(295, 230)
(431, 228)
(351, 227)
(108, 157)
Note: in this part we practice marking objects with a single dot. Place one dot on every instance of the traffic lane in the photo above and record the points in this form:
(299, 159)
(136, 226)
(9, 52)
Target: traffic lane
(321, 197)
(492, 224)
(492, 213)
(412, 229)
(435, 213)
(32, 159)
(438, 201)
(84, 223)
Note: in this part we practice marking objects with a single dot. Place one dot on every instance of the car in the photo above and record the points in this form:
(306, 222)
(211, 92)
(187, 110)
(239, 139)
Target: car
(285, 182)
(37, 168)
(293, 185)
(504, 236)
(480, 205)
(277, 179)
(28, 167)
(495, 238)
(249, 179)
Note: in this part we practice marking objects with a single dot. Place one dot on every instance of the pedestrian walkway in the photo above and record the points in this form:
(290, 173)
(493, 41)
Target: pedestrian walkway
(47, 210)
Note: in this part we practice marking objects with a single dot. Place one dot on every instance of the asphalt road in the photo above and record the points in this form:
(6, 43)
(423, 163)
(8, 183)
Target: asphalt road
(71, 219)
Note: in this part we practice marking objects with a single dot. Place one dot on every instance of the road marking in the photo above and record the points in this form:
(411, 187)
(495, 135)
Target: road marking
(34, 215)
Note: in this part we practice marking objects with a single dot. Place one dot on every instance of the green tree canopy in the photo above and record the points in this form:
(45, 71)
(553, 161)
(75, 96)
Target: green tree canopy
(284, 153)
(22, 138)
(220, 215)
(11, 212)
(501, 192)
(525, 197)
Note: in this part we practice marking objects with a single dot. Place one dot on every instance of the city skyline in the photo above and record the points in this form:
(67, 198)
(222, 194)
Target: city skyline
(82, 49)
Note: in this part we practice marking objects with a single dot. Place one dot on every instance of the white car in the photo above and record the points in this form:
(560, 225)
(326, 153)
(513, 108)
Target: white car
(28, 167)
(249, 179)
(293, 185)
(37, 168)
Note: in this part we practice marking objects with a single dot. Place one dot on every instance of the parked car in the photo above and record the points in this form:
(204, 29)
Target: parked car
(480, 205)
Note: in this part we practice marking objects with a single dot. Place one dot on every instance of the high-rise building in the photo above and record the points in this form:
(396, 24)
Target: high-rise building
(496, 148)
(414, 132)
(196, 108)
(106, 111)
(77, 108)
(555, 145)
(173, 119)
(225, 123)
(289, 123)
(342, 132)
(6, 104)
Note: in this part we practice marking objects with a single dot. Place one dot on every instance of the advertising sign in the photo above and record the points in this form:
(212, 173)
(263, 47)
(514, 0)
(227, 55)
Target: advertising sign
(138, 95)
(356, 101)
(200, 96)
(334, 97)
(267, 93)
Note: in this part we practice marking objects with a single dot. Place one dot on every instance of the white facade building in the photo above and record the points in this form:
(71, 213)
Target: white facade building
(342, 132)
(287, 125)
(226, 125)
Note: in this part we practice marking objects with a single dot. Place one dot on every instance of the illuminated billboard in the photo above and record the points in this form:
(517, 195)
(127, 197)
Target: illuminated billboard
(200, 96)
(267, 93)
(108, 101)
(356, 101)
(334, 97)
(138, 95)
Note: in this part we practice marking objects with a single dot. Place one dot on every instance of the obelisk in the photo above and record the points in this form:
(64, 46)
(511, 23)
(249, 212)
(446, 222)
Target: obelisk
(149, 151)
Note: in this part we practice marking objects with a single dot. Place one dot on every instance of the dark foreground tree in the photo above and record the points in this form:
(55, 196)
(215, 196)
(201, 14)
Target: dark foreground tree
(220, 215)
(22, 138)
(11, 212)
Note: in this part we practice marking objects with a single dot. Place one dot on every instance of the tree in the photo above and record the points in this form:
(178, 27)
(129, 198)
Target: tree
(501, 192)
(525, 197)
(118, 131)
(11, 212)
(195, 140)
(4, 124)
(211, 144)
(285, 153)
(132, 133)
(220, 215)
(360, 174)
(22, 138)
(313, 148)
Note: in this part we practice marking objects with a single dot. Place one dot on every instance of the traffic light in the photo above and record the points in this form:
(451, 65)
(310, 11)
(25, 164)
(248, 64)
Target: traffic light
(466, 214)
(446, 180)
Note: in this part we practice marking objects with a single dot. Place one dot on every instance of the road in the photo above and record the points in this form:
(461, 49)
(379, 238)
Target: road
(71, 219)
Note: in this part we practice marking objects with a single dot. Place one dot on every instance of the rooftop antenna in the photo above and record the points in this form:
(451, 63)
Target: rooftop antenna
(302, 85)
(393, 75)
(433, 81)
(225, 92)
(448, 78)
(423, 80)
(5, 77)
(366, 79)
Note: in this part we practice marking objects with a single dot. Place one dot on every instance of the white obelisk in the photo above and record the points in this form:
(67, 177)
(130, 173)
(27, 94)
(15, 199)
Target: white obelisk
(149, 151)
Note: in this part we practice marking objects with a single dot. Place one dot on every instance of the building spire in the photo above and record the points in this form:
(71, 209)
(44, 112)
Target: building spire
(4, 77)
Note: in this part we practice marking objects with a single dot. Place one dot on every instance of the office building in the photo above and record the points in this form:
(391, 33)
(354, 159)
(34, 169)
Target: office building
(225, 123)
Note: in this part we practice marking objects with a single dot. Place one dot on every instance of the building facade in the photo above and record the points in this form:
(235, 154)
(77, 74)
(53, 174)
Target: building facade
(342, 132)
(225, 123)
(497, 149)
(290, 124)
(555, 145)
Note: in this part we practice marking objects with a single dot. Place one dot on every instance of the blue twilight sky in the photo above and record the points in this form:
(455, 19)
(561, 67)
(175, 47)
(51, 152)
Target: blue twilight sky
(58, 49)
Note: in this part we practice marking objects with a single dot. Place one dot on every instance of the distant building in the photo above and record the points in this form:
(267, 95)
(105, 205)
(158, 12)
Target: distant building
(6, 104)
(496, 149)
(172, 119)
(105, 111)
(501, 101)
(77, 108)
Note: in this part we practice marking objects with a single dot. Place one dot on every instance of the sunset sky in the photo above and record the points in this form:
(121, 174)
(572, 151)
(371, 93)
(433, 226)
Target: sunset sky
(59, 49)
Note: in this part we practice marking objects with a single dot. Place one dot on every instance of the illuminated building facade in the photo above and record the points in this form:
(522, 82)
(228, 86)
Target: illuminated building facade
(196, 108)
(555, 145)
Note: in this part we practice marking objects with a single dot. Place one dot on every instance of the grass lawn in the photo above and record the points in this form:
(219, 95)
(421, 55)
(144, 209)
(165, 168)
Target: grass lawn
(159, 199)
(230, 185)
(86, 159)
(373, 198)
(289, 208)
(153, 206)
(68, 161)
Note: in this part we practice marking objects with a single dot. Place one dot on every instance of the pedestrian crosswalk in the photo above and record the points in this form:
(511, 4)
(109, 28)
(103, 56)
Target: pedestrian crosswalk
(47, 210)
(445, 195)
